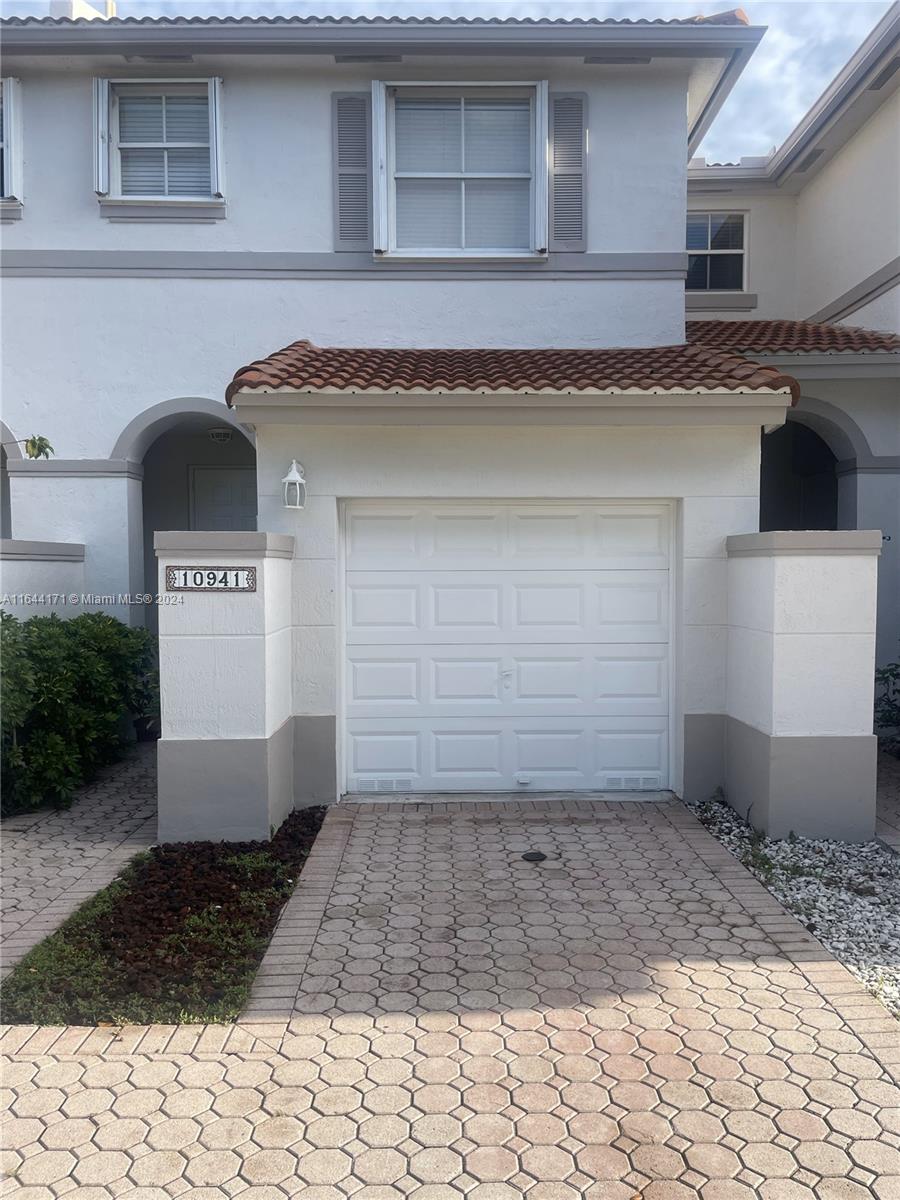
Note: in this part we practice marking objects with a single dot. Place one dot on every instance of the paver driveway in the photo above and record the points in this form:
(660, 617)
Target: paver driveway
(633, 1017)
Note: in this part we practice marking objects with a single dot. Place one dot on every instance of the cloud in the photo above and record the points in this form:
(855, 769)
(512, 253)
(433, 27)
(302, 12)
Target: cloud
(807, 43)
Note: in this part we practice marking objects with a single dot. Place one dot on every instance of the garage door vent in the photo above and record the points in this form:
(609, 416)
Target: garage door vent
(385, 785)
(631, 783)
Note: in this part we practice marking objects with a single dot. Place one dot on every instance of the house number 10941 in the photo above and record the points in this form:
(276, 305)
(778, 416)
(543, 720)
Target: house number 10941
(210, 579)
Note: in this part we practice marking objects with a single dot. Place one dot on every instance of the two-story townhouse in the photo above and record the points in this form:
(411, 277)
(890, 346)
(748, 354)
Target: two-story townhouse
(501, 563)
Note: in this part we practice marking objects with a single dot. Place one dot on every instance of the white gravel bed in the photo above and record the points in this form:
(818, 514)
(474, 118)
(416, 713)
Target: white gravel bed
(847, 895)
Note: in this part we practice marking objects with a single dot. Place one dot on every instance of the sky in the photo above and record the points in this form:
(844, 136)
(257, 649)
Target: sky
(807, 43)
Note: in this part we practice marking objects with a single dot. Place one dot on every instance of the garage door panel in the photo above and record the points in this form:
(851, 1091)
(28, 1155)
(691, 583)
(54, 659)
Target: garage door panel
(452, 607)
(524, 679)
(385, 536)
(506, 646)
(379, 607)
(532, 754)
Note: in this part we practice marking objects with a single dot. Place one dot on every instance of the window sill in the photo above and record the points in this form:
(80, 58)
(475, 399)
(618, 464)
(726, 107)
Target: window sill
(720, 301)
(436, 256)
(10, 209)
(176, 211)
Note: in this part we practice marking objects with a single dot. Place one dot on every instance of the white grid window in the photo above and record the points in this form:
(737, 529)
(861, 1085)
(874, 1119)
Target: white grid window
(715, 244)
(457, 170)
(158, 139)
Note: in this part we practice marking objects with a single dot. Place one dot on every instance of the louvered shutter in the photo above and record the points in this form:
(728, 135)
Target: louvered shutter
(568, 171)
(216, 139)
(101, 136)
(352, 157)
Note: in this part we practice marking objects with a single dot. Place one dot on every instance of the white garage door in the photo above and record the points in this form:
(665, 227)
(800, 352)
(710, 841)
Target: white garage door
(506, 647)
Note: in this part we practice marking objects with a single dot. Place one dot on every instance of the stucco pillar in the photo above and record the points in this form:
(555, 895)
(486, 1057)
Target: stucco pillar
(226, 752)
(799, 749)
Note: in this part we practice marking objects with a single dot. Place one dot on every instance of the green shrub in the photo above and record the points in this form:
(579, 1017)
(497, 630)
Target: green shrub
(65, 688)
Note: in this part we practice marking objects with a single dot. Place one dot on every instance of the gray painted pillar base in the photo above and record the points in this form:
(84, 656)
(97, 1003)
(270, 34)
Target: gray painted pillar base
(231, 790)
(704, 755)
(315, 761)
(817, 787)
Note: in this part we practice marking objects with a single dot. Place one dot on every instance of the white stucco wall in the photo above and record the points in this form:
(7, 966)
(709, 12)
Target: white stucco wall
(122, 345)
(208, 641)
(881, 313)
(847, 226)
(277, 141)
(801, 643)
(104, 514)
(713, 474)
(31, 587)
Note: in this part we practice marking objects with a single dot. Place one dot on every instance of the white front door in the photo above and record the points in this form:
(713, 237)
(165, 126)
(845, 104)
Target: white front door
(506, 646)
(223, 498)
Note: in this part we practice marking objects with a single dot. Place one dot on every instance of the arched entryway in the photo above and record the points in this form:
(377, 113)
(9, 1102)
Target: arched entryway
(808, 469)
(798, 482)
(199, 472)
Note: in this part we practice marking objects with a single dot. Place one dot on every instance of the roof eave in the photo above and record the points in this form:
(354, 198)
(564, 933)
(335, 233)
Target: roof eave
(563, 38)
(338, 398)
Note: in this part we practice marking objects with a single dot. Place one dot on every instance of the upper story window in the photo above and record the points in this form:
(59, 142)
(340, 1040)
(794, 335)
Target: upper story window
(161, 138)
(10, 143)
(715, 244)
(158, 141)
(460, 171)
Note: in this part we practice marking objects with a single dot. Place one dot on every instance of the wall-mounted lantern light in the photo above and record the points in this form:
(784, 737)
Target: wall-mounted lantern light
(294, 484)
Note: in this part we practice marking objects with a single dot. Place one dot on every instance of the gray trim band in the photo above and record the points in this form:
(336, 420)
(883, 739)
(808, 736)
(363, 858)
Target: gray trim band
(236, 264)
(805, 541)
(92, 468)
(176, 211)
(868, 289)
(19, 550)
(720, 301)
(874, 464)
(265, 545)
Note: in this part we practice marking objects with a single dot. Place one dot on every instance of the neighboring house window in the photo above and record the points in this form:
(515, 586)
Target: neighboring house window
(10, 133)
(715, 244)
(158, 141)
(461, 171)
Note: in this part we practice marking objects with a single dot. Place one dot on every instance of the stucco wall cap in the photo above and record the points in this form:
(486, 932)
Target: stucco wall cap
(20, 550)
(197, 541)
(804, 541)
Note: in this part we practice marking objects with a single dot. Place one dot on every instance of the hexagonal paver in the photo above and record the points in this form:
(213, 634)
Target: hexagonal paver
(435, 1165)
(379, 1166)
(269, 1166)
(324, 1166)
(613, 1022)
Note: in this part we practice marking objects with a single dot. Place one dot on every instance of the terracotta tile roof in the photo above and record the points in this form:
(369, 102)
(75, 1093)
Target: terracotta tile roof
(788, 337)
(303, 367)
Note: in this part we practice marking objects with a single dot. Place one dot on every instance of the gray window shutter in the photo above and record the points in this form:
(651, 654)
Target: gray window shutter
(352, 166)
(568, 171)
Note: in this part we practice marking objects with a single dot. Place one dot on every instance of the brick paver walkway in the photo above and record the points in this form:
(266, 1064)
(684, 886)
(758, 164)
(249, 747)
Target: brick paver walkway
(53, 861)
(887, 826)
(633, 1017)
